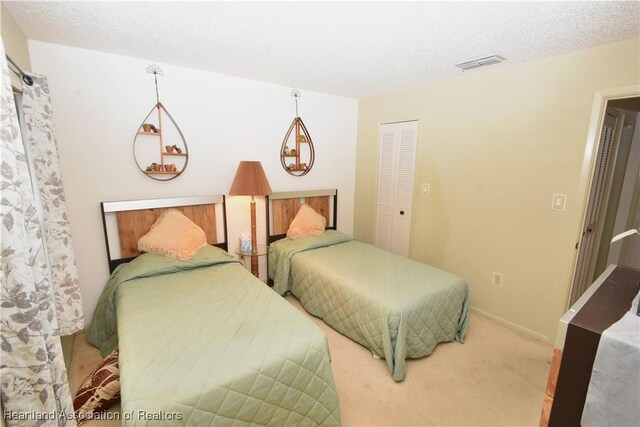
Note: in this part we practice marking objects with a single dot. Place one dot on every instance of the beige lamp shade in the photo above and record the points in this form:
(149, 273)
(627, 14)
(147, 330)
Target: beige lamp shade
(250, 180)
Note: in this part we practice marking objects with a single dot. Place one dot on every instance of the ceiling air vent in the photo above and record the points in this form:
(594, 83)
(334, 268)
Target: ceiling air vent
(480, 62)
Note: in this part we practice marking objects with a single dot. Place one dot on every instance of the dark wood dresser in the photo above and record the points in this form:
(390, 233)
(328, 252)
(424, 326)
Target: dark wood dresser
(602, 305)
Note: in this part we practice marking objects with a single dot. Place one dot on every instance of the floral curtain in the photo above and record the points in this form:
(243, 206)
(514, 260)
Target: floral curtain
(42, 150)
(34, 388)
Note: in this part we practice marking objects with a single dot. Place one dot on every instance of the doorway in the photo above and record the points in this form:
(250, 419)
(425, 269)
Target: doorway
(613, 204)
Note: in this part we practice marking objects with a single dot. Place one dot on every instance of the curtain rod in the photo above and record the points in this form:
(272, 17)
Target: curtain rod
(25, 78)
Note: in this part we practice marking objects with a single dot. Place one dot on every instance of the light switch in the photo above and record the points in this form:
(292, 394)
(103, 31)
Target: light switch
(426, 188)
(559, 202)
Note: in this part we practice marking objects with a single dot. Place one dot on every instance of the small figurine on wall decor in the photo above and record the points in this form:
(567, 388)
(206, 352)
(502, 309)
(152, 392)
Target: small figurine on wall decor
(154, 167)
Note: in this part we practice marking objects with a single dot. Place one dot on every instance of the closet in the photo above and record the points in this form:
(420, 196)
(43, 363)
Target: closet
(396, 169)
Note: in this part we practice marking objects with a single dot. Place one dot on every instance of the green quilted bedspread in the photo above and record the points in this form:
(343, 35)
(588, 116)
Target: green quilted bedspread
(396, 307)
(206, 343)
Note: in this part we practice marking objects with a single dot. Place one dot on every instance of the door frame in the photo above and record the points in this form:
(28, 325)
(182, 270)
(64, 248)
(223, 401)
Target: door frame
(585, 181)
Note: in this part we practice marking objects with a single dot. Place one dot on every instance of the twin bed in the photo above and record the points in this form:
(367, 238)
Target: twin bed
(207, 340)
(396, 307)
(203, 342)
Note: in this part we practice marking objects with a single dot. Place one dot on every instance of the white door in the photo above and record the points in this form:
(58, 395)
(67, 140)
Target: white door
(587, 247)
(396, 169)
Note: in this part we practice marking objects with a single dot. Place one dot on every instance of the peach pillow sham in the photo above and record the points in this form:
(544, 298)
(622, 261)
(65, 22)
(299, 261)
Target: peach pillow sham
(173, 235)
(307, 222)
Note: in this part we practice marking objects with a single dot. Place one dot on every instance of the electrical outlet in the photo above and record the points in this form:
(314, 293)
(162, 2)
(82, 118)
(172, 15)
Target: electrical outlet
(497, 279)
(426, 189)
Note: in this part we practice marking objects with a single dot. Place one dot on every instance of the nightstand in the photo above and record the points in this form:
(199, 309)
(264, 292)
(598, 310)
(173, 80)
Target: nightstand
(261, 250)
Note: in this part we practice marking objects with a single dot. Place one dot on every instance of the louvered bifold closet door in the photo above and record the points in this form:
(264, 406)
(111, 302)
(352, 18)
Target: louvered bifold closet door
(386, 178)
(587, 255)
(398, 143)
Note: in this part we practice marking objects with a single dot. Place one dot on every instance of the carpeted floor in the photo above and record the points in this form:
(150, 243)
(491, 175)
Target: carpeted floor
(497, 378)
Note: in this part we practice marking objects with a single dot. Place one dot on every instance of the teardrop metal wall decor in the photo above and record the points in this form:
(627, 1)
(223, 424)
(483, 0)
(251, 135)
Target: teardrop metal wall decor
(297, 161)
(160, 151)
(298, 155)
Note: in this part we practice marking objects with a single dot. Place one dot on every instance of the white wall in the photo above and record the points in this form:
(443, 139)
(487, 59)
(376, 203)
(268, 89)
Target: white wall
(495, 145)
(99, 101)
(15, 44)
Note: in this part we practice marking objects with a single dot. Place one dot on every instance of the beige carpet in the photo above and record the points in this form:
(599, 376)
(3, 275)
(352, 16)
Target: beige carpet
(497, 378)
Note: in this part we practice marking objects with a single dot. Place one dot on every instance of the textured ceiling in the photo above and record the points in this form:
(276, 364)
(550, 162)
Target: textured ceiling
(355, 49)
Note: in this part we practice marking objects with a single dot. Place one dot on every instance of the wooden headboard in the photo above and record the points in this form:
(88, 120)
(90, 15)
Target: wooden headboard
(135, 217)
(282, 207)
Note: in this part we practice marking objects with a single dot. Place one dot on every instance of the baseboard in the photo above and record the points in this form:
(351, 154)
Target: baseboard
(66, 342)
(514, 326)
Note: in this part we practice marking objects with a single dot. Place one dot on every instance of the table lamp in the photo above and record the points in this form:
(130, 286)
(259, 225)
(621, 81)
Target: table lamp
(250, 180)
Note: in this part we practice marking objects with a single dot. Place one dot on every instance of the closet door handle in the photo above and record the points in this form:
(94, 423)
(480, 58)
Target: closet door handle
(401, 212)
